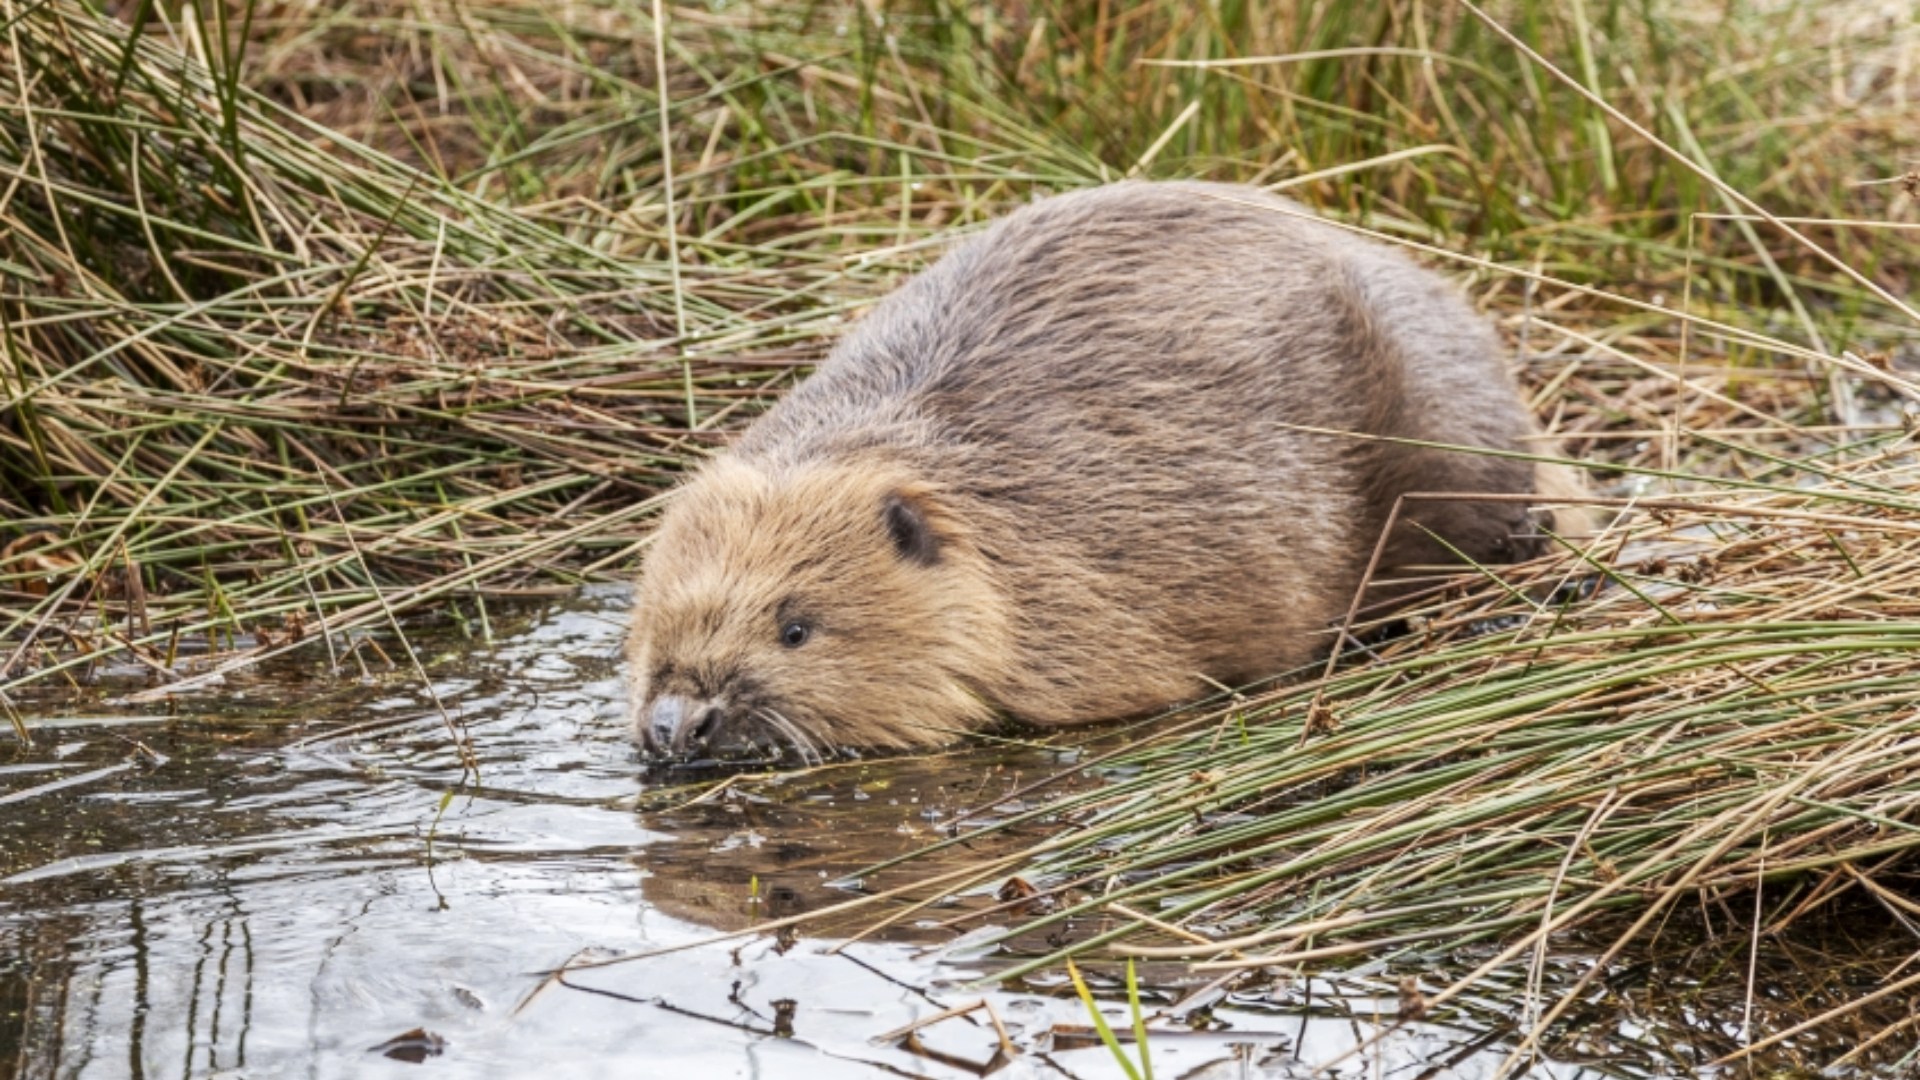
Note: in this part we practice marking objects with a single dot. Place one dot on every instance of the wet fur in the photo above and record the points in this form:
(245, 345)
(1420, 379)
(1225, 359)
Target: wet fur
(1084, 415)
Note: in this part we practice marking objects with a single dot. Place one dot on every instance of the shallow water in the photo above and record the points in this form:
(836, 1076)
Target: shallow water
(268, 883)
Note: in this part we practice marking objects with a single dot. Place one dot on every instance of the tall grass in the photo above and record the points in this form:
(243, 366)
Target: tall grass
(315, 317)
(1733, 714)
(266, 383)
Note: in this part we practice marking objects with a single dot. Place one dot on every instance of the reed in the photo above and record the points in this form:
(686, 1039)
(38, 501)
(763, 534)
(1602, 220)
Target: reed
(1732, 713)
(315, 320)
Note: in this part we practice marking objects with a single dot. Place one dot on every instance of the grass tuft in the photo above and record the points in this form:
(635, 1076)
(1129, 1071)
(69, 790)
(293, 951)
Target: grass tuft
(1734, 712)
(315, 318)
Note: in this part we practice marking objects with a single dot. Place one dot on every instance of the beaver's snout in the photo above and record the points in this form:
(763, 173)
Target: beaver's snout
(679, 725)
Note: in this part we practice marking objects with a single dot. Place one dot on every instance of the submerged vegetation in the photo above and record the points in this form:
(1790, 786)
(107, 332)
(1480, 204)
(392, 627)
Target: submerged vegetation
(316, 318)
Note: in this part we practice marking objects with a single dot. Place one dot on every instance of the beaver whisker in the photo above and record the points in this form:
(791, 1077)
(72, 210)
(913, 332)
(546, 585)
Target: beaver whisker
(802, 745)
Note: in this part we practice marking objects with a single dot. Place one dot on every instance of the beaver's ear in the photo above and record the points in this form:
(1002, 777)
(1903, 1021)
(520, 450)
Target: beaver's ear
(911, 521)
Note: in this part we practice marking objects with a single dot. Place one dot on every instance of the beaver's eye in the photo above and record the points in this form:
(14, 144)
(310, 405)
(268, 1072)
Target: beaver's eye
(795, 634)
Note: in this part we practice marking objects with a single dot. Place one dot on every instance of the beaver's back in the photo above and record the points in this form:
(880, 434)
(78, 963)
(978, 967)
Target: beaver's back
(1111, 386)
(1112, 391)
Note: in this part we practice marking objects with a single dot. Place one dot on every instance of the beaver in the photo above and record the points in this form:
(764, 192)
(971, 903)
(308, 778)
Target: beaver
(1086, 466)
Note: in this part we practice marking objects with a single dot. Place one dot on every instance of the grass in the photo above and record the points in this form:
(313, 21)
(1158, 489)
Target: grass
(1107, 1038)
(1728, 725)
(313, 321)
(266, 384)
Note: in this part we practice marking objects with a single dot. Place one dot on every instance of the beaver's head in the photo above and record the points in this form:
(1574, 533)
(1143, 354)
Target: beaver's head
(810, 606)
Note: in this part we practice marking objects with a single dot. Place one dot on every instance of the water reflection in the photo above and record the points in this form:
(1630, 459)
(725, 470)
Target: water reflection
(268, 883)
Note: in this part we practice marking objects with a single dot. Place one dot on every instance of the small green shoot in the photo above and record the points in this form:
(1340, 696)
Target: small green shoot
(1107, 1037)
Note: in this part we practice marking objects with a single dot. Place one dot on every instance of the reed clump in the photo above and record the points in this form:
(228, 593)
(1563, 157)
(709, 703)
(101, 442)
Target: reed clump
(266, 383)
(314, 321)
(1729, 718)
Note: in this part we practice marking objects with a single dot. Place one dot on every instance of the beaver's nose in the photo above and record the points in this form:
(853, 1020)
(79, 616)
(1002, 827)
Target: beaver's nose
(678, 725)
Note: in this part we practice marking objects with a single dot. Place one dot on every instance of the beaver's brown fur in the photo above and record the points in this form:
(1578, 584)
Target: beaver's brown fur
(1060, 476)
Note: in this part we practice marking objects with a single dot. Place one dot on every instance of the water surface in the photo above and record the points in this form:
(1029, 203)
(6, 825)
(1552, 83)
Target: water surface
(284, 876)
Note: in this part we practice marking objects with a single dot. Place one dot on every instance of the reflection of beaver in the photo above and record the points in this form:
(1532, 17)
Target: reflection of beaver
(1054, 477)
